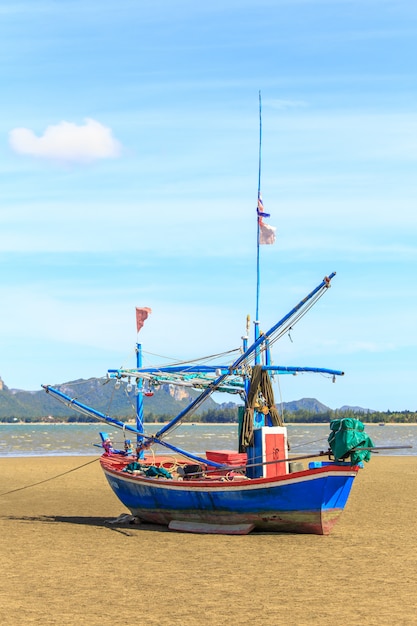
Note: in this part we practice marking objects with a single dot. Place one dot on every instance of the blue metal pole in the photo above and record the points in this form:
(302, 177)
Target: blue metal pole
(256, 322)
(83, 408)
(139, 402)
(250, 350)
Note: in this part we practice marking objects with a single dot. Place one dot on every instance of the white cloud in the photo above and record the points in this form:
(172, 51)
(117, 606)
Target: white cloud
(67, 142)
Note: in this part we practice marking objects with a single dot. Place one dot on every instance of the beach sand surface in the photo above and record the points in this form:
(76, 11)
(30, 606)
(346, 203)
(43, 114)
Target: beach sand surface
(64, 563)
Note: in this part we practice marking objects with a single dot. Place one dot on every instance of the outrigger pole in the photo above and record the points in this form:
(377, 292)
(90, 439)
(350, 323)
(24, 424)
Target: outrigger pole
(87, 410)
(325, 283)
(145, 440)
(211, 369)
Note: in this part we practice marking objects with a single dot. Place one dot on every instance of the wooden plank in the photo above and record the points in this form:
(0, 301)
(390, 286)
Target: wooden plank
(211, 529)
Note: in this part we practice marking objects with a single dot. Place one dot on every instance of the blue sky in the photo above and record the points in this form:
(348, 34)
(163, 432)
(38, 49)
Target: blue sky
(129, 174)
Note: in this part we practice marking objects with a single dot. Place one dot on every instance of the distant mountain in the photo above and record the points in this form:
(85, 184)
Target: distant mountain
(101, 394)
(305, 404)
(356, 409)
(97, 393)
(313, 405)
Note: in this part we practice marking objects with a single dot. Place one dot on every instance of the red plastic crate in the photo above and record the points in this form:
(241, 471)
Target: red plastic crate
(227, 457)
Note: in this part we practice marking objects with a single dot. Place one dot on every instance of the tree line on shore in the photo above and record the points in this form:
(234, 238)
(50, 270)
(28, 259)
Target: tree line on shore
(230, 415)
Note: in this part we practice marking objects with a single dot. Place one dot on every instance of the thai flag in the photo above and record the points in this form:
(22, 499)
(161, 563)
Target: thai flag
(260, 210)
(266, 232)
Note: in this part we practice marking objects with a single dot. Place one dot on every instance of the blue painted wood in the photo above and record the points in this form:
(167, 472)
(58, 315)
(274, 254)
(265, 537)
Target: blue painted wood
(308, 501)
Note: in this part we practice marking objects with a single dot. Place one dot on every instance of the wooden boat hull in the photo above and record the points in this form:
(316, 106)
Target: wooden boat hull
(310, 501)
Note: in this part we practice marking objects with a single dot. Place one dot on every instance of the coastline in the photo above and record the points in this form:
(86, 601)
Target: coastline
(83, 438)
(132, 423)
(65, 562)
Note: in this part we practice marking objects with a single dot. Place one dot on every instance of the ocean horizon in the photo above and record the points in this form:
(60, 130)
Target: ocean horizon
(80, 439)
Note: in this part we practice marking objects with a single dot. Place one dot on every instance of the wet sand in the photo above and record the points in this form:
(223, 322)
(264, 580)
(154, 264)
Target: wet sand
(63, 563)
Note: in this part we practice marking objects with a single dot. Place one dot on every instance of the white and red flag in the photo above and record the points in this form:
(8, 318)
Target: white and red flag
(266, 232)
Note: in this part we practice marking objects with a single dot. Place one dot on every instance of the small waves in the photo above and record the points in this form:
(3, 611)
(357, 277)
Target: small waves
(84, 439)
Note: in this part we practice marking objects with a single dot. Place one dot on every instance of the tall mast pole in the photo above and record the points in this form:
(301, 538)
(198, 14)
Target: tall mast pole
(257, 353)
(139, 401)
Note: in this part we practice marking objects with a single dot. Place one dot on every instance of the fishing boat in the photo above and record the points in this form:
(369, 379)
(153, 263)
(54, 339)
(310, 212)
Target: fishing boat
(259, 486)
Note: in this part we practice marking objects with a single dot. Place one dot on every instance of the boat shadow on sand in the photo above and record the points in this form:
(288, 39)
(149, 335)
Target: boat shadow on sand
(119, 524)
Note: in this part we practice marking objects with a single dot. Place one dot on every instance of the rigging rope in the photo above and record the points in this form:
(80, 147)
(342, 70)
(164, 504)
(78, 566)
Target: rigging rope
(6, 493)
(307, 443)
(203, 359)
(260, 384)
(282, 330)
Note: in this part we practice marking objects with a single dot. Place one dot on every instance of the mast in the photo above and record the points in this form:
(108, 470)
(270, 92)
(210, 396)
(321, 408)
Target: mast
(256, 322)
(139, 402)
(142, 314)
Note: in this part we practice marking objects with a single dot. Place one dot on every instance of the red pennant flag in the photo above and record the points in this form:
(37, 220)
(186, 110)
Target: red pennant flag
(141, 316)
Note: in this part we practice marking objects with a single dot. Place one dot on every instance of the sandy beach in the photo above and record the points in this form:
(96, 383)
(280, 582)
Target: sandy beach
(64, 563)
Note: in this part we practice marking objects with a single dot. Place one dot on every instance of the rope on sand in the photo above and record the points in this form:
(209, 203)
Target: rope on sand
(6, 493)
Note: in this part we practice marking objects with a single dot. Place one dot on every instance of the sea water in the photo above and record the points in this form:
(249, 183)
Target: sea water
(20, 440)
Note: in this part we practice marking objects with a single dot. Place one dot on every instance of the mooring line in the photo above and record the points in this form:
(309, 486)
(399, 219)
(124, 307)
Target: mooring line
(6, 493)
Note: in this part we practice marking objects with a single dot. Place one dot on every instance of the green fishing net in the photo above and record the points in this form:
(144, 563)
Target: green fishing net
(346, 435)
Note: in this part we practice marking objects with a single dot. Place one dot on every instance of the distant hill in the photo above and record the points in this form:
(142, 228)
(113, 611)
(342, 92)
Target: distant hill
(356, 409)
(305, 404)
(97, 393)
(101, 394)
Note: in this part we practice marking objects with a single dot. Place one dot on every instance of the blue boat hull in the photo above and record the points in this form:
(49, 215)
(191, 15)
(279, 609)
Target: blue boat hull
(309, 501)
